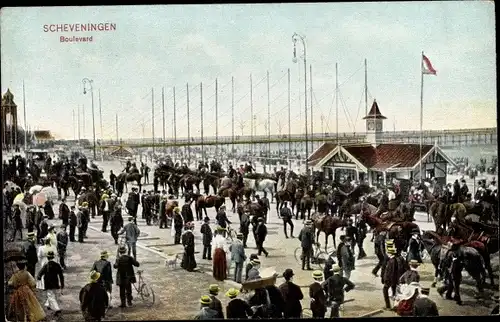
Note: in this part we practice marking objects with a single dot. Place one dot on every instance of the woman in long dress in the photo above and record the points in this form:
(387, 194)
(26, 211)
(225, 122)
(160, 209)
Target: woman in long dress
(24, 305)
(188, 260)
(42, 258)
(219, 257)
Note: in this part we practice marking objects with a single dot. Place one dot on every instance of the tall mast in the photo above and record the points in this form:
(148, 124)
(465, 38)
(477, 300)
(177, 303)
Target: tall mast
(216, 119)
(25, 122)
(268, 118)
(153, 118)
(251, 113)
(289, 122)
(232, 114)
(312, 119)
(78, 118)
(100, 115)
(175, 129)
(337, 102)
(74, 130)
(366, 89)
(421, 111)
(116, 128)
(189, 125)
(163, 115)
(201, 123)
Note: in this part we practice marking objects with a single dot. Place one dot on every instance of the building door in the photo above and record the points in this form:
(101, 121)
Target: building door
(429, 173)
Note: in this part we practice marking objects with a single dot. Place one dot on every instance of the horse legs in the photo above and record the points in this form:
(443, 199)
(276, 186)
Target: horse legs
(205, 209)
(317, 235)
(436, 274)
(309, 214)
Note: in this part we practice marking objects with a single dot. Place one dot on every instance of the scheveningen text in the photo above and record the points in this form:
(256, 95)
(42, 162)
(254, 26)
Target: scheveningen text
(79, 27)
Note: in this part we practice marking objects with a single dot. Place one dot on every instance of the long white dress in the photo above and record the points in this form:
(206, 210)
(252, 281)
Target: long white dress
(42, 259)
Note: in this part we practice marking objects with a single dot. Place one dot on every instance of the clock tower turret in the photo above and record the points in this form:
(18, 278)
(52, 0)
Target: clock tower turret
(374, 125)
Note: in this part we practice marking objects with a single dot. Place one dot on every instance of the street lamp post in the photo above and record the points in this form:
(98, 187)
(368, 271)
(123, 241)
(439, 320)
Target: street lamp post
(89, 82)
(295, 37)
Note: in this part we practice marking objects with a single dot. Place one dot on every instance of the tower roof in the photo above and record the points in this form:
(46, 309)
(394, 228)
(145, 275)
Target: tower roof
(374, 112)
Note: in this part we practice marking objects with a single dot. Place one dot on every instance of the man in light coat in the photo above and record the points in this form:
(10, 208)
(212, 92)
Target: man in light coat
(132, 233)
(238, 257)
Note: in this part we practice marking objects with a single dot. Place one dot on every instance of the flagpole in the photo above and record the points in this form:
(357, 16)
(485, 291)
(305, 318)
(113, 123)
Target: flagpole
(421, 110)
(25, 126)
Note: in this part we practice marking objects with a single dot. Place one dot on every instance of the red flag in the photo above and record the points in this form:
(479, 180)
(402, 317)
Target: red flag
(427, 66)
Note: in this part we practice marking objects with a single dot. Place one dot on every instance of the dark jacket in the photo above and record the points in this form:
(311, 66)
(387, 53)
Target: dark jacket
(414, 247)
(62, 240)
(339, 253)
(247, 269)
(335, 287)
(261, 233)
(277, 301)
(64, 213)
(30, 253)
(306, 238)
(94, 300)
(207, 235)
(104, 268)
(216, 305)
(221, 219)
(238, 309)
(352, 232)
(244, 224)
(178, 223)
(285, 213)
(292, 294)
(187, 212)
(424, 306)
(317, 293)
(73, 220)
(52, 276)
(396, 266)
(125, 269)
(409, 276)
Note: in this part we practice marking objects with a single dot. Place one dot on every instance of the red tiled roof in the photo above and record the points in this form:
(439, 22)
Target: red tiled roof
(388, 155)
(321, 153)
(374, 112)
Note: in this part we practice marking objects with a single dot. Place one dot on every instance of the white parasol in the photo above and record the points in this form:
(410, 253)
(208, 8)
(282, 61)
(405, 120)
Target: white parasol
(39, 199)
(35, 189)
(20, 203)
(50, 193)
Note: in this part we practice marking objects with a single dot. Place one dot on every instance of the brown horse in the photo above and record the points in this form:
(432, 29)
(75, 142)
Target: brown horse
(401, 232)
(204, 202)
(287, 195)
(440, 214)
(211, 180)
(229, 193)
(187, 181)
(170, 205)
(306, 204)
(91, 198)
(130, 177)
(328, 225)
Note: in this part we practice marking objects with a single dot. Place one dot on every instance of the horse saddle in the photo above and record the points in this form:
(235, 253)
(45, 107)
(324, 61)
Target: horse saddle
(477, 244)
(388, 225)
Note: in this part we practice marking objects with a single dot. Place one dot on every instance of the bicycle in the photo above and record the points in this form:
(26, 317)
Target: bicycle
(144, 290)
(318, 257)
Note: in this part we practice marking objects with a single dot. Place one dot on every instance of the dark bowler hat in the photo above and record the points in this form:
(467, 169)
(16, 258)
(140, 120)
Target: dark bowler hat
(288, 273)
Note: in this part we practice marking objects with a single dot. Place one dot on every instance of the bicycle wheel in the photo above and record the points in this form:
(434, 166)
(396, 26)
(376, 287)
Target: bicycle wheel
(147, 294)
(321, 258)
(298, 254)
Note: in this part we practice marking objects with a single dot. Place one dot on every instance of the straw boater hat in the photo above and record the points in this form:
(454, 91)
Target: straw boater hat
(335, 269)
(104, 196)
(104, 254)
(214, 289)
(391, 250)
(50, 254)
(94, 276)
(31, 235)
(255, 261)
(122, 249)
(414, 263)
(232, 293)
(177, 210)
(317, 275)
(205, 300)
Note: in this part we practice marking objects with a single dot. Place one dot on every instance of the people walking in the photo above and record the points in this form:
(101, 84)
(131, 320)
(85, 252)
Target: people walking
(317, 296)
(104, 268)
(238, 257)
(306, 237)
(379, 246)
(105, 209)
(335, 287)
(260, 237)
(292, 294)
(348, 260)
(125, 276)
(237, 308)
(207, 236)
(178, 224)
(30, 253)
(219, 258)
(53, 280)
(62, 245)
(132, 233)
(73, 223)
(206, 313)
(188, 260)
(94, 299)
(286, 215)
(244, 227)
(394, 269)
(215, 303)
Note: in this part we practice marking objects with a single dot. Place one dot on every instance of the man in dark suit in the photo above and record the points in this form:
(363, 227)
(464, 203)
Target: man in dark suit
(207, 235)
(317, 295)
(216, 304)
(237, 308)
(423, 305)
(394, 269)
(292, 294)
(286, 215)
(464, 190)
(335, 288)
(133, 202)
(306, 238)
(261, 234)
(125, 275)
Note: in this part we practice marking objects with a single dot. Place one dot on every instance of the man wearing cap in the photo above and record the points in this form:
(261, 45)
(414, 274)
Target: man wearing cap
(93, 299)
(250, 265)
(103, 267)
(81, 223)
(335, 288)
(253, 273)
(116, 221)
(451, 268)
(415, 247)
(221, 218)
(260, 237)
(215, 303)
(206, 313)
(133, 202)
(306, 237)
(237, 308)
(244, 227)
(188, 260)
(105, 209)
(238, 257)
(411, 275)
(132, 233)
(317, 295)
(178, 224)
(395, 267)
(352, 233)
(423, 305)
(207, 236)
(44, 227)
(62, 244)
(187, 212)
(437, 189)
(162, 214)
(379, 246)
(53, 279)
(292, 294)
(286, 215)
(348, 259)
(73, 222)
(464, 190)
(266, 204)
(125, 275)
(30, 253)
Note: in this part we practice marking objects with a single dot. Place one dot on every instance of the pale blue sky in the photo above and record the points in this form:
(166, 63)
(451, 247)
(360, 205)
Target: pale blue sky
(156, 46)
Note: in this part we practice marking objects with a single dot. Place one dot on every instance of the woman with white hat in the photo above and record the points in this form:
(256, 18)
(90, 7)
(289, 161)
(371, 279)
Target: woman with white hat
(406, 298)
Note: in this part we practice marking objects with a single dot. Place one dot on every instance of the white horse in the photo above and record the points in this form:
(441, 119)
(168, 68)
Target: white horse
(265, 185)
